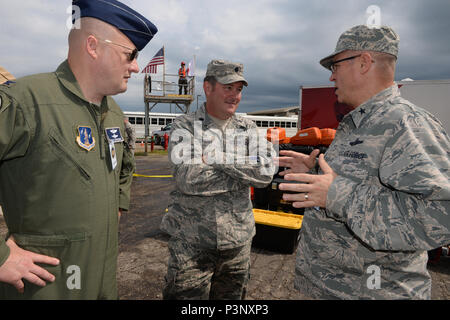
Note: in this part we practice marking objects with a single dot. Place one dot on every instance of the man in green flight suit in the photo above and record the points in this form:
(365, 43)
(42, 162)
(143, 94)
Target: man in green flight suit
(65, 167)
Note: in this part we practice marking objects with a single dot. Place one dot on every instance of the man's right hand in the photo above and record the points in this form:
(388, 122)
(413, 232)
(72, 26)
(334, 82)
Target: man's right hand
(21, 265)
(296, 161)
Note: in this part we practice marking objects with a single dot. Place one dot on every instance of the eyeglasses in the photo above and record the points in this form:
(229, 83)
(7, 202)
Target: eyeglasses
(131, 55)
(333, 65)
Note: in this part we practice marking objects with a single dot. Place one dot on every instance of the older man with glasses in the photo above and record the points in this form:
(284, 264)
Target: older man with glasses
(381, 199)
(65, 166)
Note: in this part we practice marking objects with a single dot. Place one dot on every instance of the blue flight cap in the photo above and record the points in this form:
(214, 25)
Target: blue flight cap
(135, 26)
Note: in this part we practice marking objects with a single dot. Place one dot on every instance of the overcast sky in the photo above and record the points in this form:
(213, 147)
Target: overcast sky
(279, 41)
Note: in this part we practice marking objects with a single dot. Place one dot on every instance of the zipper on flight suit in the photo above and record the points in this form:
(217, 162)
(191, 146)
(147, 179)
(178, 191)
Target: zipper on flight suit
(99, 124)
(99, 118)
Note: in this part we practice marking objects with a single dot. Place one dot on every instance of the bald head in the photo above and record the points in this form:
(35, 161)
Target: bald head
(384, 65)
(91, 26)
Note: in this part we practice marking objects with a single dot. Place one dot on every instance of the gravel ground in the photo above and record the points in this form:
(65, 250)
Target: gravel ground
(143, 249)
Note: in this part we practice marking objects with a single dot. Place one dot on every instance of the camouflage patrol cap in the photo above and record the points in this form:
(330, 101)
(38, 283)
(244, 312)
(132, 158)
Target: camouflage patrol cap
(226, 72)
(363, 38)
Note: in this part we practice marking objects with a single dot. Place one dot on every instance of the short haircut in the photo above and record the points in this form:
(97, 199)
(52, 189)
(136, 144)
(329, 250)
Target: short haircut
(211, 79)
(385, 59)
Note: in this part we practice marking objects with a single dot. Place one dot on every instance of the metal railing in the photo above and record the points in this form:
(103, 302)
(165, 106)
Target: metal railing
(168, 86)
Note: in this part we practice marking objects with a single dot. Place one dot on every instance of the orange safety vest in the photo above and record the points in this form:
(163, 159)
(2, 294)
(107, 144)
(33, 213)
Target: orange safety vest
(182, 72)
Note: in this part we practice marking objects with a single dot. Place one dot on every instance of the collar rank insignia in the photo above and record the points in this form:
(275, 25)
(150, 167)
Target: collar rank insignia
(114, 135)
(85, 139)
(357, 141)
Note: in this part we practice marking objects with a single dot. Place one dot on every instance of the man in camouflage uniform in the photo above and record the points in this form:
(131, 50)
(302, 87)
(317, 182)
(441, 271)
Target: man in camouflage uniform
(382, 196)
(210, 219)
(131, 141)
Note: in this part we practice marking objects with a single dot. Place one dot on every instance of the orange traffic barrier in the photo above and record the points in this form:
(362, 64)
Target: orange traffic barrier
(277, 135)
(313, 137)
(307, 137)
(327, 136)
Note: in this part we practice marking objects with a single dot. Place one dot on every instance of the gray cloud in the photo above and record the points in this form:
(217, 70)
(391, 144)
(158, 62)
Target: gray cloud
(279, 41)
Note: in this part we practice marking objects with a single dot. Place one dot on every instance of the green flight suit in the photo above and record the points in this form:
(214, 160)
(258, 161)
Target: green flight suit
(59, 199)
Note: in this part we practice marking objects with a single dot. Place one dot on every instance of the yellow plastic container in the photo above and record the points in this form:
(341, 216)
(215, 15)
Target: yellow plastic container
(278, 219)
(277, 231)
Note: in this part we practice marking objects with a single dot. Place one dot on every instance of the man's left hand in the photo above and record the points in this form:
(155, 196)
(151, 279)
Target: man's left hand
(313, 189)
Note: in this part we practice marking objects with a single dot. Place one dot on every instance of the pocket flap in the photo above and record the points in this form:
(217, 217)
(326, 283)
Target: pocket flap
(58, 240)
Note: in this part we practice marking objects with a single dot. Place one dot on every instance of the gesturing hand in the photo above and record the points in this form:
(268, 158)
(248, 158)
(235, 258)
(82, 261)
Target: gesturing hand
(297, 162)
(313, 189)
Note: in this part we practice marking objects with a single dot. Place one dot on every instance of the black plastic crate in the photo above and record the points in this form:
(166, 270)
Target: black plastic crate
(277, 231)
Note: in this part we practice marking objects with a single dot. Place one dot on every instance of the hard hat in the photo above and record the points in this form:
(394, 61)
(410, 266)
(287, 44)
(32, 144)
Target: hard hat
(182, 63)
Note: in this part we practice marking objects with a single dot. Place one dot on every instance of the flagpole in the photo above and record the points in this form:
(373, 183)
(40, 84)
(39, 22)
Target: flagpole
(164, 72)
(193, 91)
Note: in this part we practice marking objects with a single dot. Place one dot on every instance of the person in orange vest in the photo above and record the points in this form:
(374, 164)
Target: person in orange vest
(182, 81)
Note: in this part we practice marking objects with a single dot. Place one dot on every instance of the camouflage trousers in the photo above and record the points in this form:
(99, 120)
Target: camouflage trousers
(202, 274)
(308, 289)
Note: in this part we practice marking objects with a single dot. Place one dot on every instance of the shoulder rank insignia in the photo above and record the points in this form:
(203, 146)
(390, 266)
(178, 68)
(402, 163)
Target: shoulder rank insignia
(114, 135)
(85, 139)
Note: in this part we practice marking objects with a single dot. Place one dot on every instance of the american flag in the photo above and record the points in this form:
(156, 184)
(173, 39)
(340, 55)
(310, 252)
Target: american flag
(157, 59)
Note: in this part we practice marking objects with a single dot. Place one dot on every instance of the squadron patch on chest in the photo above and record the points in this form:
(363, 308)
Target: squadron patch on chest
(85, 139)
